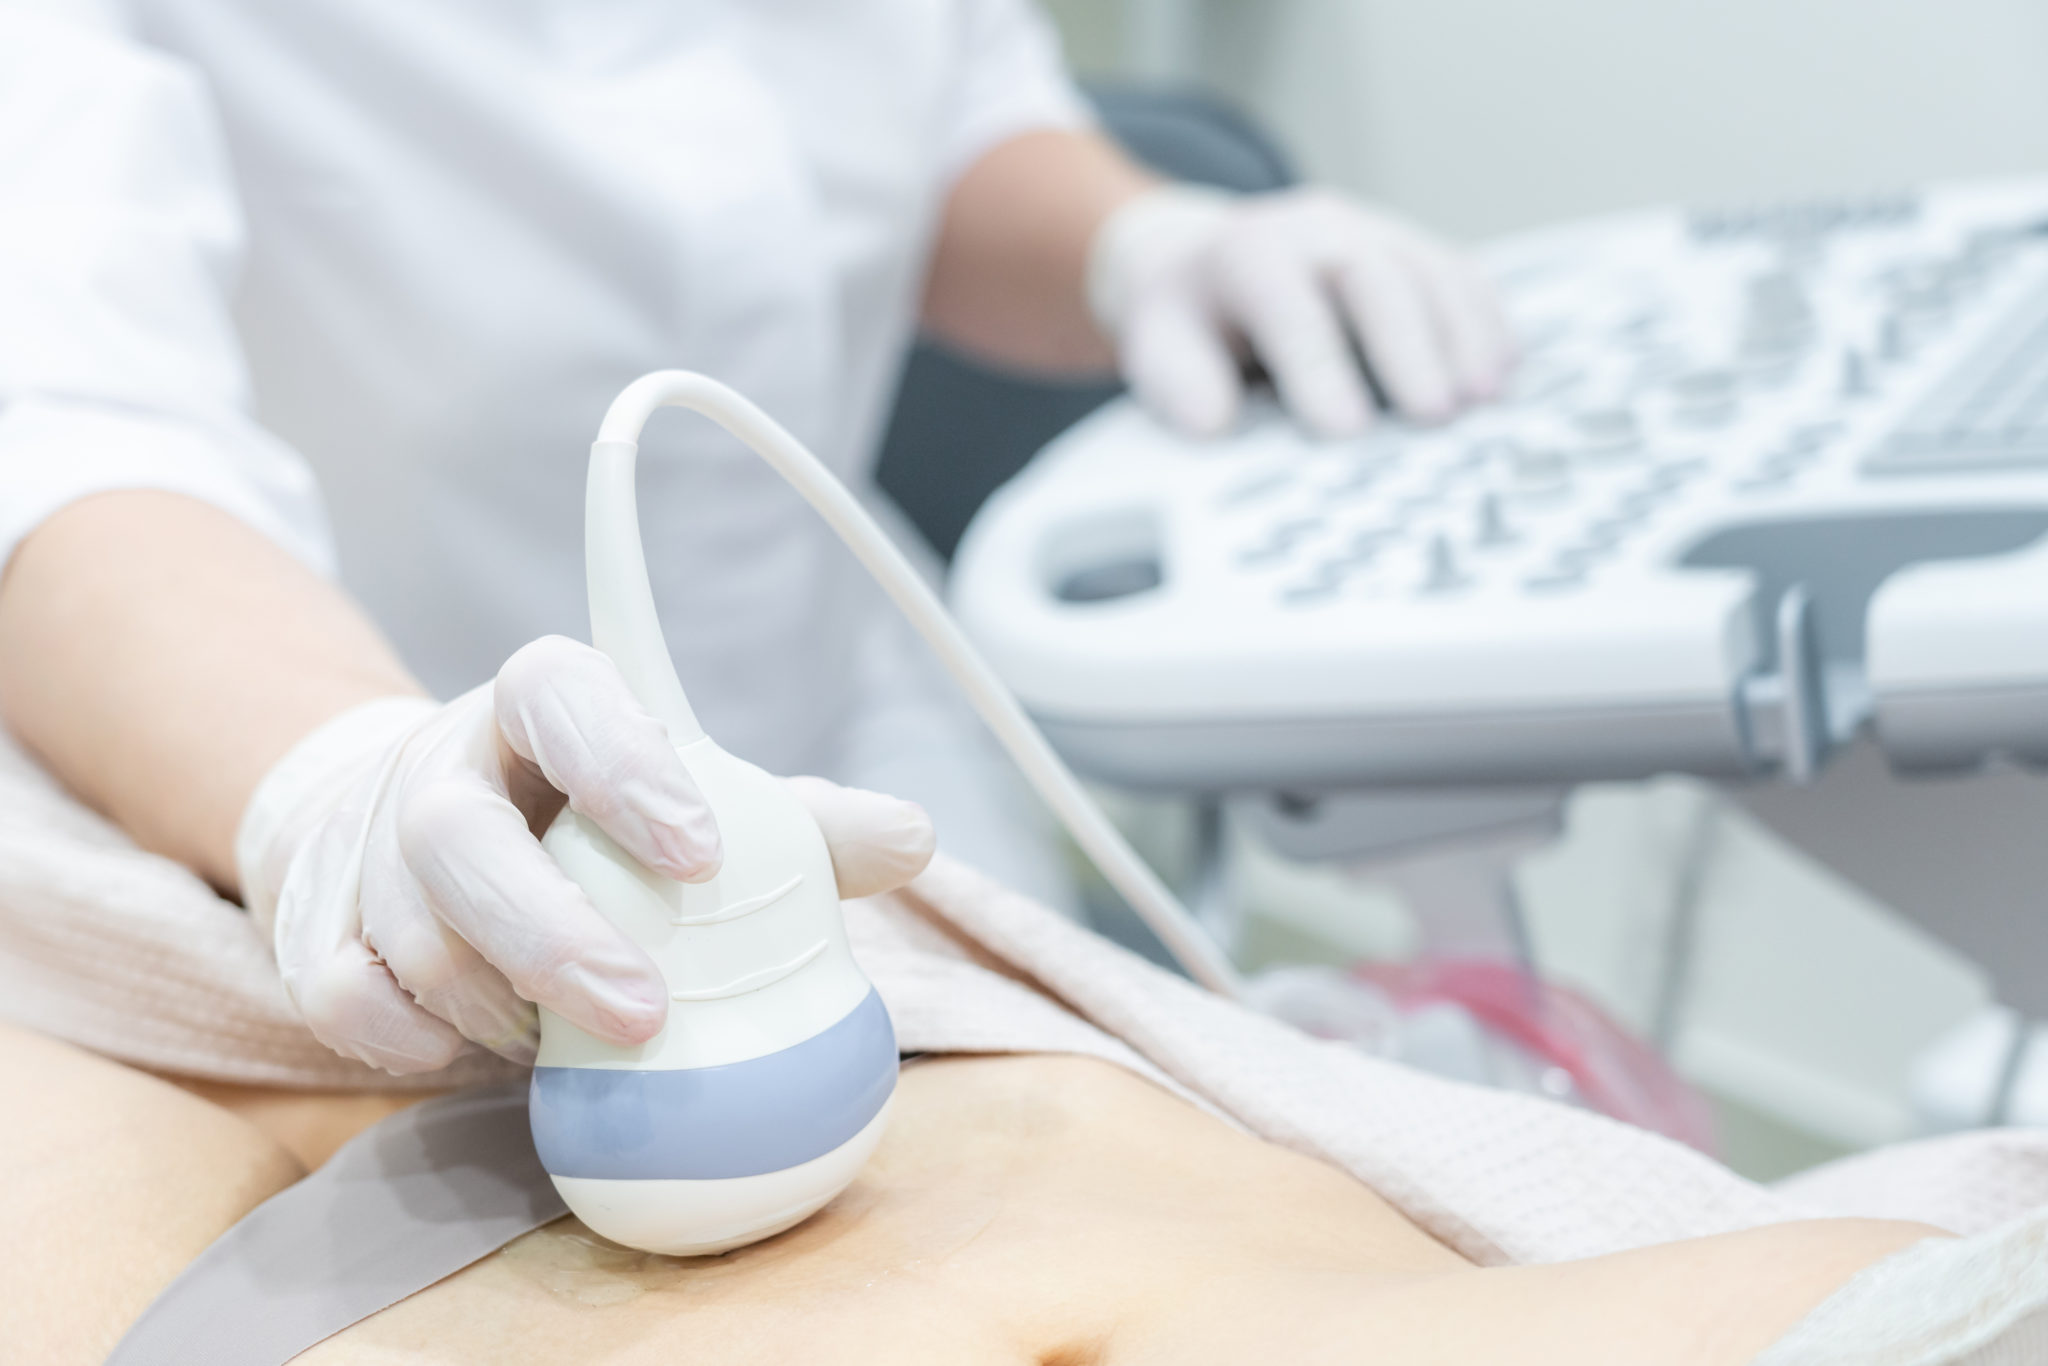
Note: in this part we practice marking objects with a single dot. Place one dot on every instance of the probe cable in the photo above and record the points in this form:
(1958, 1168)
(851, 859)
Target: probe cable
(618, 441)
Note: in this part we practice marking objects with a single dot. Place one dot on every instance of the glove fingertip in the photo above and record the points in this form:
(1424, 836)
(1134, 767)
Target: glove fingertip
(914, 842)
(612, 1001)
(683, 858)
(894, 849)
(703, 871)
(1429, 409)
(676, 834)
(1334, 409)
(1180, 369)
(1198, 410)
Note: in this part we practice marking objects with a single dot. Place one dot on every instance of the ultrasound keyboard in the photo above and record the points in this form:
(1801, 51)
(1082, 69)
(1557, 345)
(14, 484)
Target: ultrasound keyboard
(1992, 413)
(1764, 479)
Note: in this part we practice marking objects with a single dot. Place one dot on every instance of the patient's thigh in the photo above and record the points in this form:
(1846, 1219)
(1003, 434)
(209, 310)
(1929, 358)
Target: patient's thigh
(114, 1181)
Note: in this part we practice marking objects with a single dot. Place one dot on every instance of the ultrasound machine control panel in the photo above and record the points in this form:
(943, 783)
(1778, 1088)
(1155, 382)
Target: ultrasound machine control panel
(1764, 479)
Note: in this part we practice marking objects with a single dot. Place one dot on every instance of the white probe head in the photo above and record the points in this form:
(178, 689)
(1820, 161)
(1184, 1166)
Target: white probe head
(769, 1085)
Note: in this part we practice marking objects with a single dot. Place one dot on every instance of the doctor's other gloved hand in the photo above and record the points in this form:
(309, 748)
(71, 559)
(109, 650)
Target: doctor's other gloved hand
(391, 856)
(1185, 280)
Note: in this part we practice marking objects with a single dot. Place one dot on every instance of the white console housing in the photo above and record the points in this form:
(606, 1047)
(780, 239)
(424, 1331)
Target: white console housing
(1763, 479)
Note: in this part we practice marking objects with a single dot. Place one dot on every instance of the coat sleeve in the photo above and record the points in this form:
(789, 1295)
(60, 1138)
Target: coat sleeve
(120, 235)
(1012, 79)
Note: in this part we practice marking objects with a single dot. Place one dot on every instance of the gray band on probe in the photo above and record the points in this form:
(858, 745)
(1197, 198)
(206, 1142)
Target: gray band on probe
(766, 1114)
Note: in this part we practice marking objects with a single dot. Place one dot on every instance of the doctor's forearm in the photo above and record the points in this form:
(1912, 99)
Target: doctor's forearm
(1009, 268)
(158, 655)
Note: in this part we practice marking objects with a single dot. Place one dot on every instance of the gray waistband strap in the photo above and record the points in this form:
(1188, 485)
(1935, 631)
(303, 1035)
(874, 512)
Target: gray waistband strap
(403, 1204)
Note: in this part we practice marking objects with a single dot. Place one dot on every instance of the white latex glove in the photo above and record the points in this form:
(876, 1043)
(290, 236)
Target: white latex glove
(391, 857)
(1183, 278)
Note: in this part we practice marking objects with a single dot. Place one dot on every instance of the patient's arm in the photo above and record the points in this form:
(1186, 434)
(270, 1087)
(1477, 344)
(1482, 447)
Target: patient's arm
(1028, 1209)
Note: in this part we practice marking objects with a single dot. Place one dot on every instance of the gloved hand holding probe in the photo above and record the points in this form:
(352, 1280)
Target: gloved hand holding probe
(391, 857)
(1185, 279)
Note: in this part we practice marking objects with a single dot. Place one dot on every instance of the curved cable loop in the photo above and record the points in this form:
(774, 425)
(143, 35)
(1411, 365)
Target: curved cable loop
(624, 625)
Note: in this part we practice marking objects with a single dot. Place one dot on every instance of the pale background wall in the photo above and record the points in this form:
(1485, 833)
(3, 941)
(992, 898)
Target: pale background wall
(1484, 115)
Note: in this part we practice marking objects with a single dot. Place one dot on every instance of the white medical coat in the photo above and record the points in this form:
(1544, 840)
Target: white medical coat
(365, 273)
